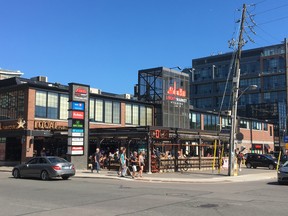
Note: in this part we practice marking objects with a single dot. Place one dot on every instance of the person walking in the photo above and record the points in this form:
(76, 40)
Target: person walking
(97, 158)
(134, 163)
(239, 160)
(123, 165)
(141, 164)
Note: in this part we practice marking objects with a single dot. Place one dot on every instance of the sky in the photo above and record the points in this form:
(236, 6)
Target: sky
(104, 43)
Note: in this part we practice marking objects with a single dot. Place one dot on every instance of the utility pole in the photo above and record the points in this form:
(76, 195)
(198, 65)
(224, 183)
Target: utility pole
(235, 89)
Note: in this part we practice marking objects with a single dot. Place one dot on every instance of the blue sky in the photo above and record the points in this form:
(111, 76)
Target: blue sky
(103, 43)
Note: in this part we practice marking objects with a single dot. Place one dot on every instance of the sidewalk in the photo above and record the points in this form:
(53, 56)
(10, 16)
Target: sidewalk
(205, 176)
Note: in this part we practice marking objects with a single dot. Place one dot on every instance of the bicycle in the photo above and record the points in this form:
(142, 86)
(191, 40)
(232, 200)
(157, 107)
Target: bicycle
(185, 166)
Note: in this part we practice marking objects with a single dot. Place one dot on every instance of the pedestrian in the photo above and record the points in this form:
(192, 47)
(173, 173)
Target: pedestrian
(43, 152)
(239, 160)
(123, 165)
(97, 158)
(134, 163)
(141, 163)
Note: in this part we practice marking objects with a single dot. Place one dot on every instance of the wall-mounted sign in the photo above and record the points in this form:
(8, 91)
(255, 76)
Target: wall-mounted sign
(159, 134)
(20, 124)
(173, 90)
(76, 141)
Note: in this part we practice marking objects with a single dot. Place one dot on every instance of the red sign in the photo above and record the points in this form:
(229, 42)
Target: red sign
(77, 115)
(81, 92)
(172, 90)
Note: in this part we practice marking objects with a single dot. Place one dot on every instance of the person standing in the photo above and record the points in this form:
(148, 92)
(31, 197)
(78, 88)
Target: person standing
(239, 160)
(141, 164)
(97, 158)
(123, 165)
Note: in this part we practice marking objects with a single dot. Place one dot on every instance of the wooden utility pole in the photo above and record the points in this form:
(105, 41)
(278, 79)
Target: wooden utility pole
(235, 88)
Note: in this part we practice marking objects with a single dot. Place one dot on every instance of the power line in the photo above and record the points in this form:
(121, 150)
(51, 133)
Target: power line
(275, 20)
(273, 9)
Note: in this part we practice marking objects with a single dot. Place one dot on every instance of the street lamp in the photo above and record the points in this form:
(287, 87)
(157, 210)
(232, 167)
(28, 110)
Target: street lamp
(232, 158)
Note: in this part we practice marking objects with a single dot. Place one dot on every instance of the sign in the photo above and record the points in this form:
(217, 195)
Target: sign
(77, 115)
(81, 92)
(75, 130)
(159, 134)
(75, 123)
(75, 150)
(285, 139)
(76, 141)
(172, 90)
(77, 106)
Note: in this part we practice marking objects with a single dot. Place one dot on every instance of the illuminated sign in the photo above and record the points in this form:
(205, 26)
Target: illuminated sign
(75, 150)
(75, 123)
(172, 90)
(159, 134)
(81, 92)
(77, 115)
(78, 106)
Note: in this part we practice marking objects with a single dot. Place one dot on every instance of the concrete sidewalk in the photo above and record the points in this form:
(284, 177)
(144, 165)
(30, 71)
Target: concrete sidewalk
(205, 176)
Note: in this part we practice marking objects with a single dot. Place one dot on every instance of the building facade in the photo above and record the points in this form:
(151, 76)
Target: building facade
(35, 114)
(265, 67)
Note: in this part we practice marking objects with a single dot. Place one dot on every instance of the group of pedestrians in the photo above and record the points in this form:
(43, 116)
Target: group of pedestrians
(135, 162)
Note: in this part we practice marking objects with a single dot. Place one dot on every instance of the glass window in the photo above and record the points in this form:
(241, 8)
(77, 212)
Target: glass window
(92, 109)
(99, 110)
(195, 120)
(135, 116)
(41, 100)
(149, 116)
(116, 112)
(142, 115)
(64, 105)
(128, 114)
(108, 112)
(52, 105)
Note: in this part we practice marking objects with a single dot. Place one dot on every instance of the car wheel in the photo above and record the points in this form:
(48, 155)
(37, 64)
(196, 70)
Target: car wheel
(16, 173)
(248, 165)
(271, 166)
(44, 175)
(65, 177)
(254, 167)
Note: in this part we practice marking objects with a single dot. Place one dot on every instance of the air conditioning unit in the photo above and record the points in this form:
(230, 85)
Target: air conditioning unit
(40, 78)
(95, 91)
(127, 96)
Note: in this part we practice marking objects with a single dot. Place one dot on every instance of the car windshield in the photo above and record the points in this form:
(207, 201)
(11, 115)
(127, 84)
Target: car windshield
(270, 156)
(285, 164)
(56, 160)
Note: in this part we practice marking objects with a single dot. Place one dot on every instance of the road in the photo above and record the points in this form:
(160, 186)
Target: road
(87, 196)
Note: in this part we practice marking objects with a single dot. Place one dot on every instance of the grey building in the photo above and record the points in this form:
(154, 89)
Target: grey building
(266, 67)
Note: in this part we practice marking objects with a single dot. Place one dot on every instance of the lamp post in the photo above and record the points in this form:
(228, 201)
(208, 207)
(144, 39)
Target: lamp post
(232, 158)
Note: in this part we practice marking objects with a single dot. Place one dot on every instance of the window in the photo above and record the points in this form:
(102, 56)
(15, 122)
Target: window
(92, 109)
(256, 125)
(128, 114)
(116, 112)
(135, 120)
(142, 115)
(64, 105)
(108, 111)
(40, 109)
(149, 116)
(52, 105)
(99, 110)
(195, 120)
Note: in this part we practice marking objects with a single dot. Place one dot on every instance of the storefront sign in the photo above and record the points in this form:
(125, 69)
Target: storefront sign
(76, 141)
(159, 134)
(81, 92)
(20, 124)
(257, 146)
(75, 150)
(77, 106)
(77, 115)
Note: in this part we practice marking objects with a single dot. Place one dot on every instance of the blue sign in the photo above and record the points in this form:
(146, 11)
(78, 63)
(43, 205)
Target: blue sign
(78, 106)
(286, 139)
(74, 130)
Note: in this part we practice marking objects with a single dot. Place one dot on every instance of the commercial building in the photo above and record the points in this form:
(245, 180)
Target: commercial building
(36, 114)
(264, 67)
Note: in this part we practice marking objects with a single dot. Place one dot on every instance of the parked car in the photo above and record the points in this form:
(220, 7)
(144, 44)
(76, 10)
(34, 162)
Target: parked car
(258, 160)
(283, 173)
(45, 168)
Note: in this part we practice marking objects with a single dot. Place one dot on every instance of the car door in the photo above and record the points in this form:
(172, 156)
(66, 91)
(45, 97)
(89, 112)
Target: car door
(29, 167)
(42, 165)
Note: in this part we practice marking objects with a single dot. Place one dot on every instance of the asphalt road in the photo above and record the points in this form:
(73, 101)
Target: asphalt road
(101, 197)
